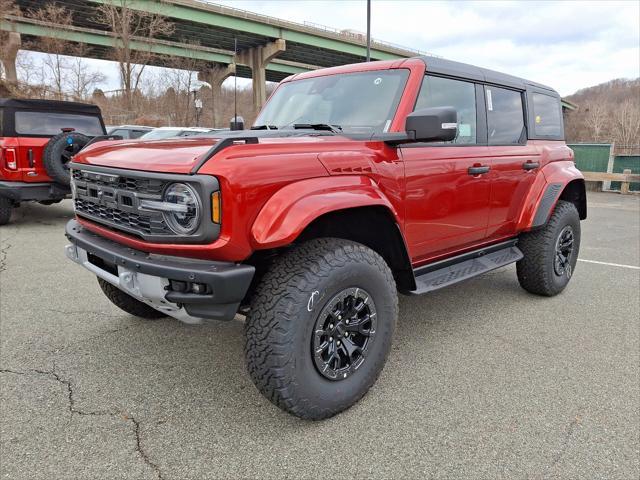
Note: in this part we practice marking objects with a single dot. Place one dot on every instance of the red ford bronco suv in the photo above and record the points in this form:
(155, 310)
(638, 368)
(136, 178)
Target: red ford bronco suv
(355, 182)
(37, 140)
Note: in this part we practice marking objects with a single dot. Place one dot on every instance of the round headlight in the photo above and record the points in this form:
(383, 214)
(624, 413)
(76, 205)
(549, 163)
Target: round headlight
(184, 218)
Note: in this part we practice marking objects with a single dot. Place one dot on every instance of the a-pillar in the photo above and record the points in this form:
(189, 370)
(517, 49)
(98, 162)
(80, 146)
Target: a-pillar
(256, 59)
(9, 54)
(214, 76)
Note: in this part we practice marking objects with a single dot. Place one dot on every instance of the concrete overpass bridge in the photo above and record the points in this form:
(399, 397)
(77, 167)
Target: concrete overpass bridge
(269, 49)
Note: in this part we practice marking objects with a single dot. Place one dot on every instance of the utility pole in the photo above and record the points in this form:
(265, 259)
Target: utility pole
(368, 30)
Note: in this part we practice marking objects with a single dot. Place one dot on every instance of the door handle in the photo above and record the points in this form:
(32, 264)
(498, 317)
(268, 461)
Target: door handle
(530, 165)
(478, 170)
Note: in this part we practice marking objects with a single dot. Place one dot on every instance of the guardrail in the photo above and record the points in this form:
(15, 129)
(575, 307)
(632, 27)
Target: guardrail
(626, 177)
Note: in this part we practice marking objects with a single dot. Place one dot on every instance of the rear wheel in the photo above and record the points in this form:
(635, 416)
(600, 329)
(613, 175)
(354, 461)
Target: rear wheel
(320, 327)
(127, 303)
(550, 253)
(6, 208)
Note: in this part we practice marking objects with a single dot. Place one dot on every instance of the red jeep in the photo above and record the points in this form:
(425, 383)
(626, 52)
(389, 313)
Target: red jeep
(355, 182)
(37, 140)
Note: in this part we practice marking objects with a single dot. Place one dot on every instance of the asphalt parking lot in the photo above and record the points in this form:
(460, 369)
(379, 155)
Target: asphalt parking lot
(484, 380)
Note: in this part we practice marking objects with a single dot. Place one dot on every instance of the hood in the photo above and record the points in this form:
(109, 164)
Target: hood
(182, 155)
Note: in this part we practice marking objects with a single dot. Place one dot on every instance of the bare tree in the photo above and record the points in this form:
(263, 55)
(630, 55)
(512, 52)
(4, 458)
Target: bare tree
(596, 120)
(28, 70)
(55, 63)
(626, 119)
(82, 80)
(129, 25)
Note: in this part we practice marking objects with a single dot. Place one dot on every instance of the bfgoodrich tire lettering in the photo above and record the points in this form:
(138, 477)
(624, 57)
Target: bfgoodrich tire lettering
(280, 326)
(128, 303)
(538, 271)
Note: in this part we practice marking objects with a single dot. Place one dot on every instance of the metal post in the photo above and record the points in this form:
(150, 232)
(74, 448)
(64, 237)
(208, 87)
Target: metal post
(606, 185)
(368, 30)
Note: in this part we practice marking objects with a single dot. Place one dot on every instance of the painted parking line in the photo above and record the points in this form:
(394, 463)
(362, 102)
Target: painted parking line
(632, 267)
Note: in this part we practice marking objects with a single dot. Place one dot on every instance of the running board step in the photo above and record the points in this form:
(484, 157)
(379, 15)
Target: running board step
(437, 276)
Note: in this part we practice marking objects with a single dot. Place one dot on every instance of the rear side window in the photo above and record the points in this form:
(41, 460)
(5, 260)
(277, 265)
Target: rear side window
(547, 116)
(51, 123)
(445, 92)
(505, 116)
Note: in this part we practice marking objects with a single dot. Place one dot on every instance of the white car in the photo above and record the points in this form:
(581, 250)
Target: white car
(168, 132)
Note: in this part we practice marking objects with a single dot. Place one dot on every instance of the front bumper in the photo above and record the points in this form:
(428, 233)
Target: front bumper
(146, 277)
(25, 191)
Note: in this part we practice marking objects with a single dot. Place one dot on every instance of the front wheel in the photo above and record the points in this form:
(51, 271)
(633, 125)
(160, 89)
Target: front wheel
(550, 253)
(320, 327)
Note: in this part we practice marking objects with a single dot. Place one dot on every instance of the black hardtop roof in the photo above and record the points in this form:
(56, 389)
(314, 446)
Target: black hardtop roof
(54, 105)
(471, 72)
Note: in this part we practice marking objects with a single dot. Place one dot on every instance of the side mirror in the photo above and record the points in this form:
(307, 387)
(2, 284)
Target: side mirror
(435, 124)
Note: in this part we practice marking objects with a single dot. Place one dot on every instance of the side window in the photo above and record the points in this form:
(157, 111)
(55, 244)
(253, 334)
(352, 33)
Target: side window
(505, 116)
(445, 92)
(547, 116)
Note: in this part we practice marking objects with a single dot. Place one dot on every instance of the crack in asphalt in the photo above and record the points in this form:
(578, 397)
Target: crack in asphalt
(71, 405)
(577, 420)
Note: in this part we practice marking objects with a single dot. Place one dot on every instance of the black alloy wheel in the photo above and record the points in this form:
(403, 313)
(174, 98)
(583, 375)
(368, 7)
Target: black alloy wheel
(564, 250)
(343, 333)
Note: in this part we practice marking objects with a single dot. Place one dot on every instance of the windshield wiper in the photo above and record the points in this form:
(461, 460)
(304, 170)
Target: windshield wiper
(264, 127)
(318, 126)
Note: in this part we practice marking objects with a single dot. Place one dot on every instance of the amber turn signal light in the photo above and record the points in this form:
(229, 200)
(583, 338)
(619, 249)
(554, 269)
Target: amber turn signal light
(216, 208)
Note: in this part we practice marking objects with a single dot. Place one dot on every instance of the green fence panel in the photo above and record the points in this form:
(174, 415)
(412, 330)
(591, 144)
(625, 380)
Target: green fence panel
(623, 162)
(591, 157)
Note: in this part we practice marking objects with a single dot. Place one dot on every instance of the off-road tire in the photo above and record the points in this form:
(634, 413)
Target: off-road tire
(282, 317)
(127, 303)
(57, 154)
(6, 208)
(536, 272)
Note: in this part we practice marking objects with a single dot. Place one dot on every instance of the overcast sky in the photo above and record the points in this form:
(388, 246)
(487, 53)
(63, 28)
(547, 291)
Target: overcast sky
(566, 45)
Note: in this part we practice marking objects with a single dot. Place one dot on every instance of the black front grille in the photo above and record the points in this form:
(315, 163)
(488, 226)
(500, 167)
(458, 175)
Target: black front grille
(114, 200)
(130, 184)
(140, 223)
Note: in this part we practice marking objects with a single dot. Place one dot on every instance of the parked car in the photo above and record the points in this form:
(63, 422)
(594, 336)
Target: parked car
(129, 131)
(37, 140)
(357, 182)
(168, 132)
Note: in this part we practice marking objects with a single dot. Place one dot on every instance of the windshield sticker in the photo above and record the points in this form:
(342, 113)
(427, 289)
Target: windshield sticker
(489, 101)
(387, 124)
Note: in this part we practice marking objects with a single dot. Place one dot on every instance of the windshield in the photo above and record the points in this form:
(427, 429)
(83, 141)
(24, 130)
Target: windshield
(160, 134)
(362, 102)
(51, 123)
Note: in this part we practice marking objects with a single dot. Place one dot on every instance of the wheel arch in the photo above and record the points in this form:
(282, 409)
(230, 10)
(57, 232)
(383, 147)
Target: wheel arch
(348, 207)
(558, 181)
(372, 226)
(575, 192)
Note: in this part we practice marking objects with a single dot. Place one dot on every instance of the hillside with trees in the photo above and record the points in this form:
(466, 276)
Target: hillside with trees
(609, 112)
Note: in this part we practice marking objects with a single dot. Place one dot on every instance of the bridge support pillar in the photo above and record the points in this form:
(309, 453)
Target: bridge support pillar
(214, 76)
(256, 59)
(9, 54)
